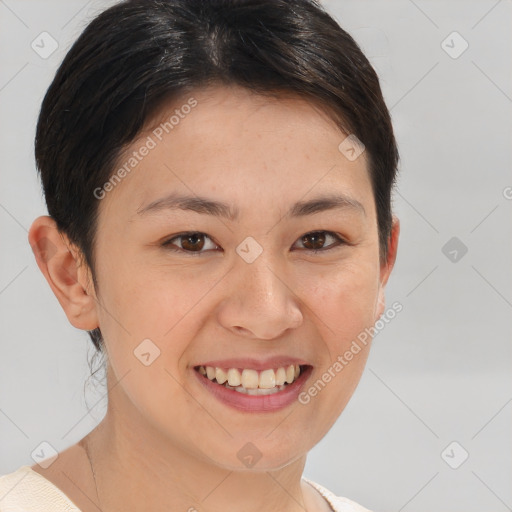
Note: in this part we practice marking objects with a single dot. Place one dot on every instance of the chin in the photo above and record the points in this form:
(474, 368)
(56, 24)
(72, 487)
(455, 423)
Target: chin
(258, 455)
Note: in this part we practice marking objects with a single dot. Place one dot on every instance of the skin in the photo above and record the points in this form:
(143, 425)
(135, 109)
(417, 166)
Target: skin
(166, 443)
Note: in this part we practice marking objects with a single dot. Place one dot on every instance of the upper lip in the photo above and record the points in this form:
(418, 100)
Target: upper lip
(255, 364)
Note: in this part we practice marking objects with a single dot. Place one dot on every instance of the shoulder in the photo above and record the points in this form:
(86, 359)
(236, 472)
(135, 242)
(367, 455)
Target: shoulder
(25, 489)
(338, 503)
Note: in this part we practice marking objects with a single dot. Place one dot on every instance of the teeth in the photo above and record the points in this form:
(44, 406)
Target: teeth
(220, 375)
(267, 379)
(234, 377)
(257, 391)
(251, 381)
(290, 373)
(280, 376)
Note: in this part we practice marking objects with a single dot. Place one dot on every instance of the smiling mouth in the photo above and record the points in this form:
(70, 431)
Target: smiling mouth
(253, 382)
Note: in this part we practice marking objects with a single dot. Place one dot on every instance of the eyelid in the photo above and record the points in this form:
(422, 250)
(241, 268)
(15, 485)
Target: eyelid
(339, 241)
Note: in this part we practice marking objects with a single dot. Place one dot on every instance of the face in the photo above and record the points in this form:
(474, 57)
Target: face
(235, 282)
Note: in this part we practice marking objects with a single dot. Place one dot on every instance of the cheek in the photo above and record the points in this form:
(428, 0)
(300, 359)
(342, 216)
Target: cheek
(155, 394)
(147, 324)
(158, 305)
(343, 299)
(343, 303)
(150, 302)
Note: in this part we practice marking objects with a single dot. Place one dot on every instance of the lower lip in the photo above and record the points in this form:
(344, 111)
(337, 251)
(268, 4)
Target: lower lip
(252, 403)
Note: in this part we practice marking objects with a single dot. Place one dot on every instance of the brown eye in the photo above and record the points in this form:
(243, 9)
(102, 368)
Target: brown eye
(315, 240)
(192, 243)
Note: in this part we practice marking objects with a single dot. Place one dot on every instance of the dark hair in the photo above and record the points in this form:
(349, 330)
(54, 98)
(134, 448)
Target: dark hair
(140, 54)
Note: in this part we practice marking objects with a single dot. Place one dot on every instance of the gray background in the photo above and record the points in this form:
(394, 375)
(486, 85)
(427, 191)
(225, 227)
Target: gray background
(439, 372)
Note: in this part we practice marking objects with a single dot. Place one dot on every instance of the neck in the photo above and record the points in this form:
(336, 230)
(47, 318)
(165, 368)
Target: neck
(137, 468)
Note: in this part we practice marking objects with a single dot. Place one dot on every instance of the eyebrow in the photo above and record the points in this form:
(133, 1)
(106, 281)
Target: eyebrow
(209, 206)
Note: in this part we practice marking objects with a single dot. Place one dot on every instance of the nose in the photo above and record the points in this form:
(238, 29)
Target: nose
(259, 303)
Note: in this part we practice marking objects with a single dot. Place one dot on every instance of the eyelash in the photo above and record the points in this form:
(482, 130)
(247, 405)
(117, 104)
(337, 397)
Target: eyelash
(169, 246)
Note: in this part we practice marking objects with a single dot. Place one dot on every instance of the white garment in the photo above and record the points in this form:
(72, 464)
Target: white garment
(25, 490)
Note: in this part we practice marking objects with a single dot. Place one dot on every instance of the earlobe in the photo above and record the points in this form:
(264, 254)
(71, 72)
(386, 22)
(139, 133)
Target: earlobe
(387, 267)
(67, 275)
(381, 304)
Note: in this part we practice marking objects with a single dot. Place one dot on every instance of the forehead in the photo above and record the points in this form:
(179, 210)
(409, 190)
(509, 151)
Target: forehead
(235, 144)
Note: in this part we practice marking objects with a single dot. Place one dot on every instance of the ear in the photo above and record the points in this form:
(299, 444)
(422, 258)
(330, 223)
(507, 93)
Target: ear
(387, 266)
(68, 276)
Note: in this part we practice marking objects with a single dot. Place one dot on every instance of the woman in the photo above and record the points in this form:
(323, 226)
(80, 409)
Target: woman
(218, 178)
